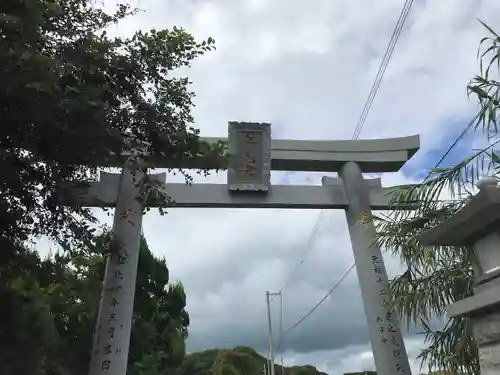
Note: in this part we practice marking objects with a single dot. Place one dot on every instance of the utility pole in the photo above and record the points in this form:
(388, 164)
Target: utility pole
(282, 367)
(281, 318)
(271, 353)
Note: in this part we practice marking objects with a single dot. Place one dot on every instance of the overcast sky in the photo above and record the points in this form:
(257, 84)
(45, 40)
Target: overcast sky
(306, 67)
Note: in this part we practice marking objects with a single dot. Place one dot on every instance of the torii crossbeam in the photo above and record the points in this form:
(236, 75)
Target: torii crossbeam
(330, 196)
(253, 155)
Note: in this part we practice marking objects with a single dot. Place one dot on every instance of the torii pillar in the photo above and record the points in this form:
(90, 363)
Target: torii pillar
(111, 338)
(389, 351)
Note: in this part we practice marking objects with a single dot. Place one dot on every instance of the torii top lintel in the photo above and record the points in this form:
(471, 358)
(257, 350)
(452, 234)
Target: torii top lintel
(372, 155)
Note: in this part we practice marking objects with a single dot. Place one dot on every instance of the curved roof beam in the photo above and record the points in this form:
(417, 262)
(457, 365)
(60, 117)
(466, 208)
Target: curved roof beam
(373, 155)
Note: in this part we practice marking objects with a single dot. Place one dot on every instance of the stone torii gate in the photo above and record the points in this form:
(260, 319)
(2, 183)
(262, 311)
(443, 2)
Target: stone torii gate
(253, 155)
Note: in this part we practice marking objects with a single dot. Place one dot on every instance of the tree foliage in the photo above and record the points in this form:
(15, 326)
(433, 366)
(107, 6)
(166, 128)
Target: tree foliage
(241, 360)
(49, 313)
(72, 97)
(437, 276)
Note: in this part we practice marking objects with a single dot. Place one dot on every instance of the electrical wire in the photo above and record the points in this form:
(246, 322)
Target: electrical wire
(383, 66)
(357, 131)
(366, 109)
(309, 313)
(453, 145)
(305, 249)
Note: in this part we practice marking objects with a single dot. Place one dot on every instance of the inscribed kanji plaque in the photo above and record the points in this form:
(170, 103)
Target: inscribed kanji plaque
(250, 156)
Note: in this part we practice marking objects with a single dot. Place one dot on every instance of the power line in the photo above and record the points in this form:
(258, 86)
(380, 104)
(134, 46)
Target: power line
(305, 249)
(453, 145)
(366, 109)
(309, 313)
(357, 131)
(383, 66)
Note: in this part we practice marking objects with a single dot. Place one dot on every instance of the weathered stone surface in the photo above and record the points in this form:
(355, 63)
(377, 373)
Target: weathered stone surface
(486, 329)
(477, 224)
(489, 357)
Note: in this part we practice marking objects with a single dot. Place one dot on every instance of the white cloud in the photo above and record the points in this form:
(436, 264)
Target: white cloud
(307, 67)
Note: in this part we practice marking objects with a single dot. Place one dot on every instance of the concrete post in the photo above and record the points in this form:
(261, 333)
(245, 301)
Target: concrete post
(112, 336)
(387, 343)
(271, 351)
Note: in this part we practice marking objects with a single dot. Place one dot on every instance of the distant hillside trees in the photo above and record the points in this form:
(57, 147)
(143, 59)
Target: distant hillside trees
(49, 310)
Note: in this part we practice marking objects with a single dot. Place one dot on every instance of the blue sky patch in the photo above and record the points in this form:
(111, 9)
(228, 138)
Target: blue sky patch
(425, 160)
